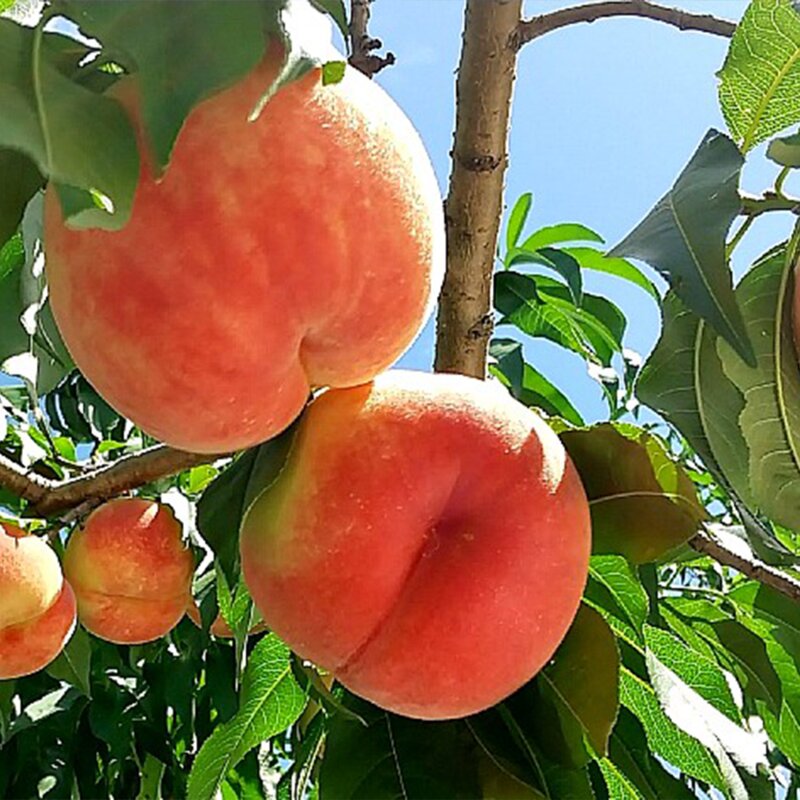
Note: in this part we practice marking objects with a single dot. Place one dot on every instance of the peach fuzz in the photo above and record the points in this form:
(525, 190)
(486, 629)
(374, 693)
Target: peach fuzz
(37, 607)
(304, 249)
(130, 570)
(427, 542)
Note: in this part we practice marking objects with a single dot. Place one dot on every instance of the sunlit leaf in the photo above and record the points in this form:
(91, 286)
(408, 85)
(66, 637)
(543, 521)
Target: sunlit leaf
(759, 88)
(683, 237)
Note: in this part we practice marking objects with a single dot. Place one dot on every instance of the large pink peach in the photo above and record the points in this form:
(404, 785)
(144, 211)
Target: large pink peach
(37, 608)
(427, 542)
(130, 570)
(304, 249)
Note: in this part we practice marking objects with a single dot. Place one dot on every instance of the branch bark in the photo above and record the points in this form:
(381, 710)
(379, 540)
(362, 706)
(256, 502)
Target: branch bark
(535, 27)
(362, 44)
(758, 570)
(48, 497)
(474, 204)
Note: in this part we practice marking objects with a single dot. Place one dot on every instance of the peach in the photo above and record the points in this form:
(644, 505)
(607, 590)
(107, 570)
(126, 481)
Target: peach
(37, 607)
(427, 542)
(130, 570)
(302, 250)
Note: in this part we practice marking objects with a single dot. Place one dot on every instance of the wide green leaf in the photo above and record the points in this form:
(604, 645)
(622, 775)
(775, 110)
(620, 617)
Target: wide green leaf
(396, 757)
(584, 677)
(56, 122)
(730, 743)
(759, 88)
(664, 738)
(698, 672)
(770, 419)
(785, 150)
(20, 180)
(270, 701)
(643, 504)
(629, 752)
(181, 53)
(617, 784)
(619, 579)
(683, 237)
(73, 664)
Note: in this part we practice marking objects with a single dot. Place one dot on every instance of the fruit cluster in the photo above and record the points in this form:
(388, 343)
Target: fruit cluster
(427, 540)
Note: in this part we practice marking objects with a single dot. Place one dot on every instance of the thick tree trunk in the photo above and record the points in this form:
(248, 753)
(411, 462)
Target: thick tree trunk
(474, 204)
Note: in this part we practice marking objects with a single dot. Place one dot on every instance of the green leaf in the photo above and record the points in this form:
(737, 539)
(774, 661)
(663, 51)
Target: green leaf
(181, 53)
(759, 89)
(785, 151)
(270, 701)
(663, 737)
(770, 419)
(776, 619)
(683, 380)
(56, 122)
(336, 10)
(542, 307)
(20, 180)
(56, 702)
(589, 258)
(584, 676)
(643, 504)
(527, 384)
(396, 758)
(695, 670)
(619, 787)
(557, 234)
(333, 72)
(622, 583)
(683, 237)
(629, 751)
(730, 743)
(741, 650)
(73, 664)
(517, 220)
(225, 501)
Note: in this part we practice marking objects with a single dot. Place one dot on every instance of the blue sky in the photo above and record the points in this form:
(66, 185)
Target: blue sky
(604, 117)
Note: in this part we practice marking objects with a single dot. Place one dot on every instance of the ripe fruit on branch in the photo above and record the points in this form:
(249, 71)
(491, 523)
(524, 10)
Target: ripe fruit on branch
(130, 570)
(427, 542)
(304, 249)
(37, 607)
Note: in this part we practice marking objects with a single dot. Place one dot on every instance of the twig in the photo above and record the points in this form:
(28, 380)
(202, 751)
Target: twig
(48, 497)
(362, 44)
(474, 202)
(758, 570)
(535, 27)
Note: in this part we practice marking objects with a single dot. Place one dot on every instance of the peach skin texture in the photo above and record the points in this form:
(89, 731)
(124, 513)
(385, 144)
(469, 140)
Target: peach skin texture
(37, 607)
(427, 542)
(305, 249)
(130, 571)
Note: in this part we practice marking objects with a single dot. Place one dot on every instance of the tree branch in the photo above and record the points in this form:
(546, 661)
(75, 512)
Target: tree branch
(48, 497)
(362, 44)
(474, 204)
(535, 27)
(758, 570)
